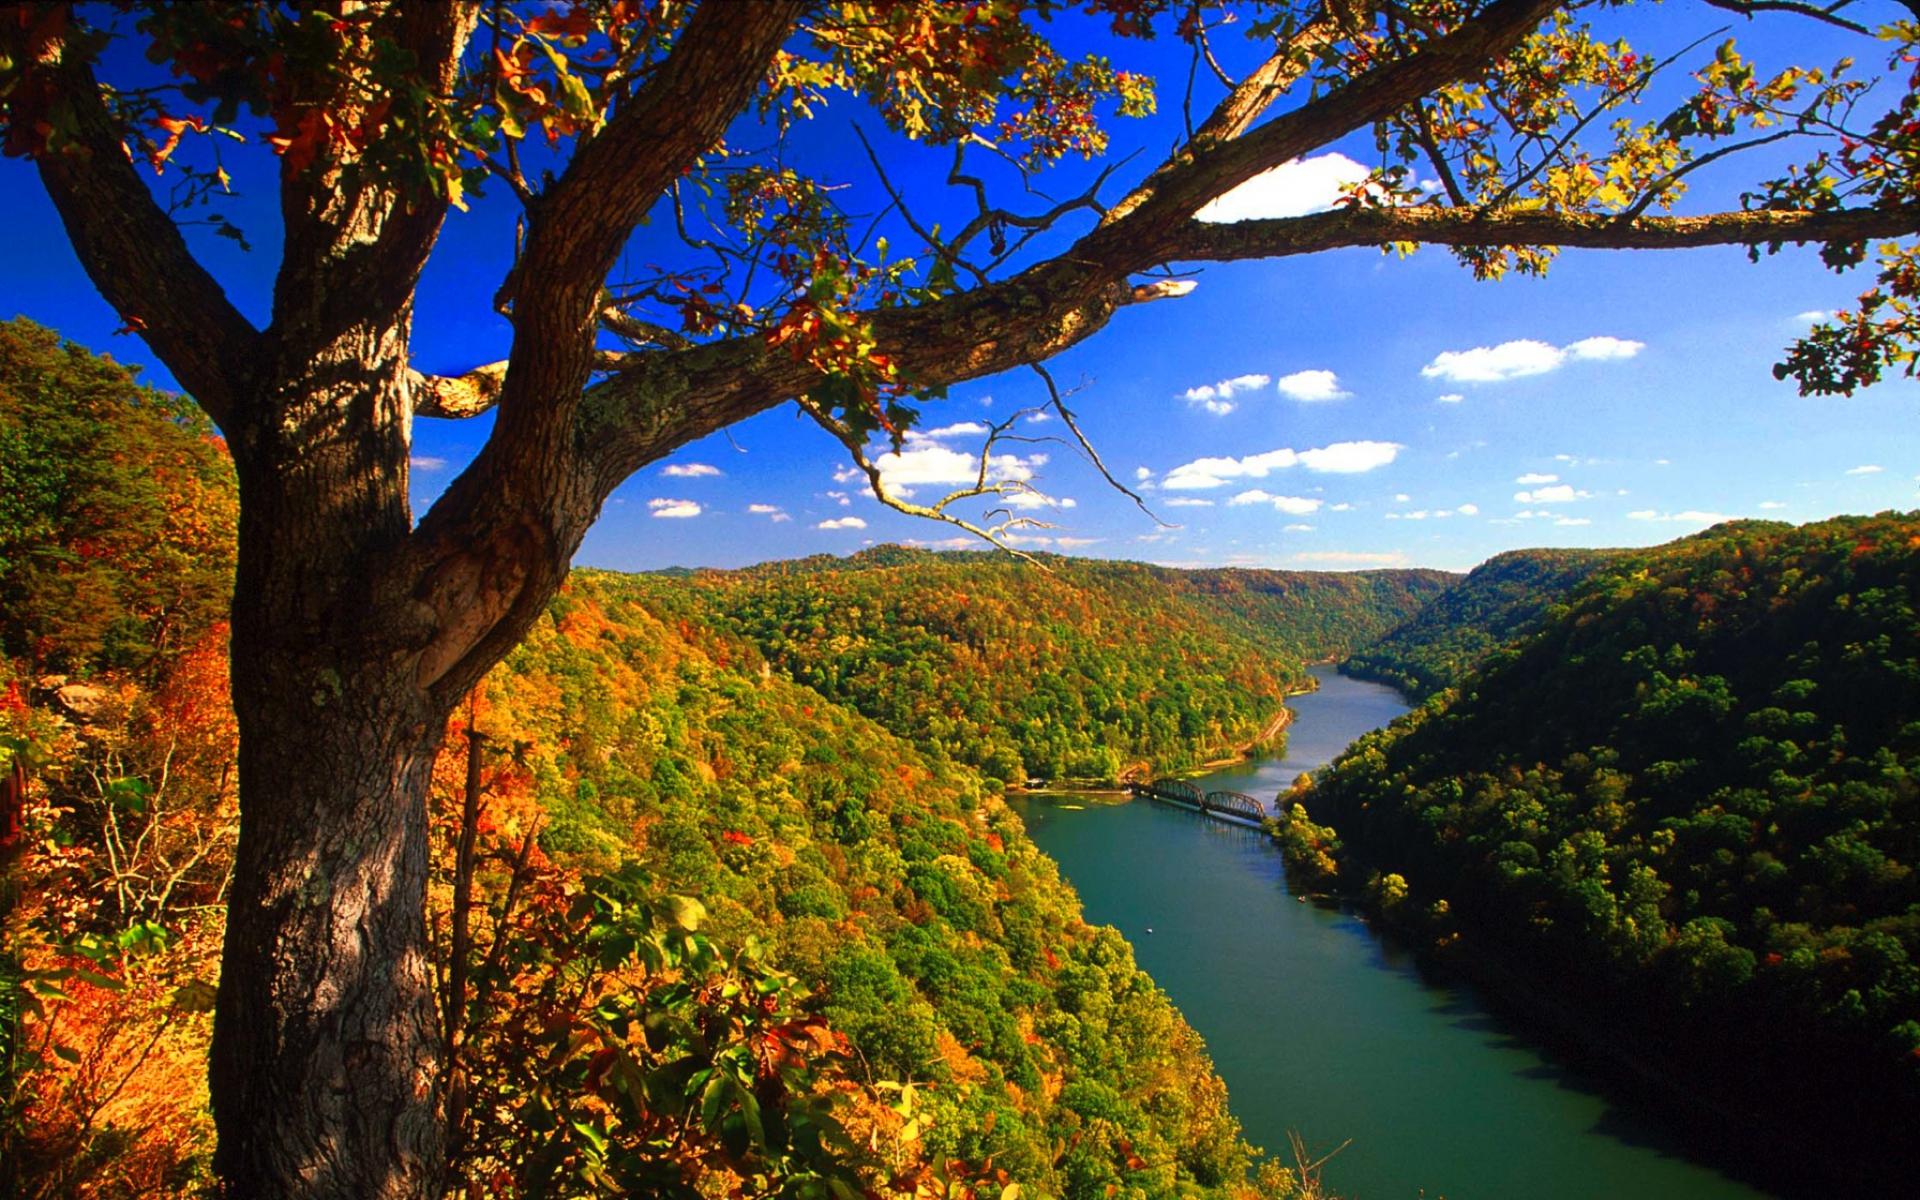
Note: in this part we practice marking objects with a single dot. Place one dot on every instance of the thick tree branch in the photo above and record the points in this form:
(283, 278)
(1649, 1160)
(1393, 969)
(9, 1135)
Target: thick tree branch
(454, 397)
(484, 558)
(135, 255)
(1202, 242)
(1202, 174)
(353, 243)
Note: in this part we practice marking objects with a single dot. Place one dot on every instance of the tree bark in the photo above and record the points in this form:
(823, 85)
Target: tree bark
(326, 1044)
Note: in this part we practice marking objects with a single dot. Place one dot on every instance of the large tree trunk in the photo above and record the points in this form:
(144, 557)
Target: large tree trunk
(325, 1051)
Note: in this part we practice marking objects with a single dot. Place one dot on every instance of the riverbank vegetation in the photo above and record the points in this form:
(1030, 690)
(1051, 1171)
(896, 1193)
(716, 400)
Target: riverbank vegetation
(1695, 788)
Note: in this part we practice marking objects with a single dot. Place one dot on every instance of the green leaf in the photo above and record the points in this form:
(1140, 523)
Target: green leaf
(686, 912)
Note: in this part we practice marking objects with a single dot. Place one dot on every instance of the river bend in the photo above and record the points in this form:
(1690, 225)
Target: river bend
(1317, 1025)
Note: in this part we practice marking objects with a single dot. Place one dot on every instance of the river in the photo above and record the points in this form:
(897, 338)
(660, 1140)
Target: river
(1319, 1026)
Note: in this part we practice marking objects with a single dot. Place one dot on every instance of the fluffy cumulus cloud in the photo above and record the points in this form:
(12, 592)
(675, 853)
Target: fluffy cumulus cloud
(1292, 189)
(1533, 477)
(1468, 510)
(957, 429)
(1449, 398)
(427, 462)
(772, 512)
(842, 523)
(1311, 386)
(1561, 493)
(1770, 504)
(1340, 458)
(663, 507)
(1293, 506)
(1217, 398)
(1297, 527)
(689, 471)
(1866, 469)
(1188, 502)
(1520, 358)
(926, 463)
(1350, 458)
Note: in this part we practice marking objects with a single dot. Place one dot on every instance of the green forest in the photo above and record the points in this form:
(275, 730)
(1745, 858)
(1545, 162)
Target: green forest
(1071, 669)
(1494, 604)
(1692, 787)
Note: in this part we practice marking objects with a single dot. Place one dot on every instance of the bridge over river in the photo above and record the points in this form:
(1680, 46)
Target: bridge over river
(1237, 807)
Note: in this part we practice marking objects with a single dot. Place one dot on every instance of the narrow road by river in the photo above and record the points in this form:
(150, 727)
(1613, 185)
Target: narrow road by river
(1319, 1026)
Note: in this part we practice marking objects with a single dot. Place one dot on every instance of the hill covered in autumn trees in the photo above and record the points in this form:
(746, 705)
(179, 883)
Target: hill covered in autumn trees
(1078, 670)
(703, 926)
(1693, 787)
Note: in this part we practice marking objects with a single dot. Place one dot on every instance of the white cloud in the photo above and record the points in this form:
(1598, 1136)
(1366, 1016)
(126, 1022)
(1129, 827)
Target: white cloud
(689, 471)
(1401, 497)
(1691, 516)
(1031, 499)
(1532, 477)
(427, 462)
(1449, 398)
(1558, 494)
(1215, 472)
(842, 523)
(1349, 458)
(1296, 527)
(1343, 506)
(1351, 558)
(663, 507)
(934, 464)
(957, 429)
(1142, 474)
(1868, 469)
(1522, 357)
(1188, 502)
(1292, 189)
(772, 511)
(1813, 316)
(1574, 521)
(1604, 349)
(1468, 510)
(1773, 504)
(1311, 386)
(1340, 458)
(1295, 506)
(1216, 397)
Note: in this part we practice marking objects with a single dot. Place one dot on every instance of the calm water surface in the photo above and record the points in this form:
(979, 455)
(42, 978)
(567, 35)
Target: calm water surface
(1318, 1026)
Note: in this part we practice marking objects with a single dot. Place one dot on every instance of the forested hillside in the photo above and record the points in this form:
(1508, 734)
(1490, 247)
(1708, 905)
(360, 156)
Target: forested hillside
(1697, 789)
(1079, 670)
(1498, 600)
(705, 929)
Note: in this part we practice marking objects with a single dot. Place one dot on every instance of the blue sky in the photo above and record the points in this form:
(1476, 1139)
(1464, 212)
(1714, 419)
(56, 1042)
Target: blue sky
(1378, 411)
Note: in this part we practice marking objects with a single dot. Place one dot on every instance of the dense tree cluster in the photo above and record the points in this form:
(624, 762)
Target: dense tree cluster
(1082, 670)
(719, 930)
(1495, 603)
(1697, 787)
